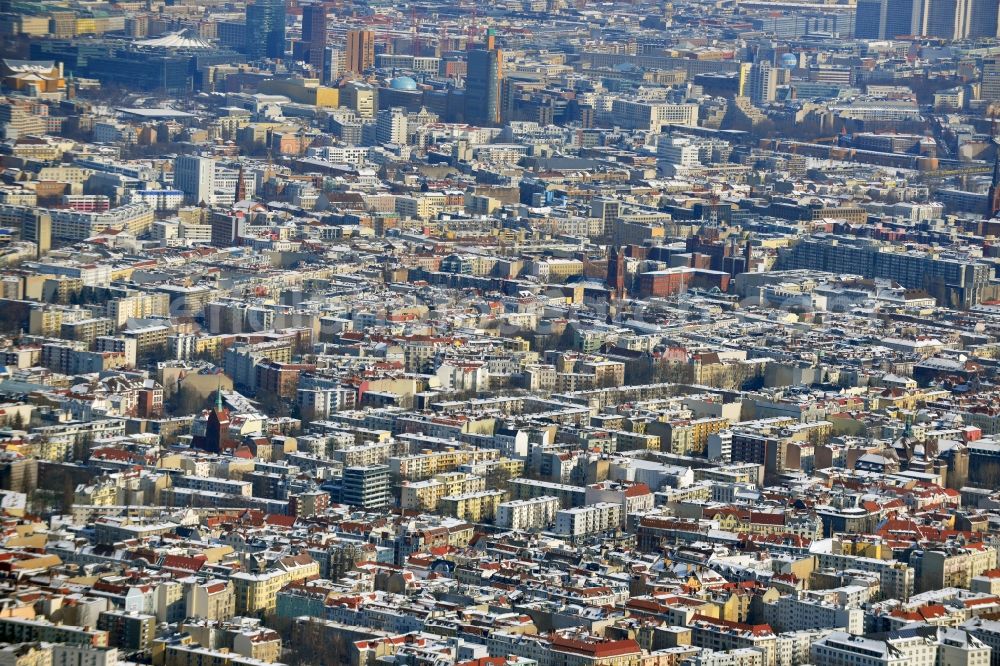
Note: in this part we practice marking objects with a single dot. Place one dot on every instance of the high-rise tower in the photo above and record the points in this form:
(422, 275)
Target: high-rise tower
(990, 82)
(266, 29)
(888, 19)
(360, 51)
(984, 18)
(482, 87)
(314, 36)
(948, 19)
(195, 177)
(762, 83)
(993, 197)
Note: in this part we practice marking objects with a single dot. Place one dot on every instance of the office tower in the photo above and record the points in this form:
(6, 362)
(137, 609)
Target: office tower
(37, 229)
(888, 19)
(869, 19)
(984, 18)
(195, 177)
(902, 17)
(744, 76)
(990, 82)
(314, 37)
(607, 210)
(678, 152)
(948, 19)
(333, 64)
(360, 98)
(482, 87)
(17, 118)
(391, 126)
(762, 83)
(366, 486)
(360, 50)
(994, 193)
(265, 33)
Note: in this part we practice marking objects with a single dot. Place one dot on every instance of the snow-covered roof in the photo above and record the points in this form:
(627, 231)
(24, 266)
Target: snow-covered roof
(175, 40)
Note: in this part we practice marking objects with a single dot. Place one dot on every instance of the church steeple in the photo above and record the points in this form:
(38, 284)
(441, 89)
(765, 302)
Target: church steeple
(218, 398)
(241, 190)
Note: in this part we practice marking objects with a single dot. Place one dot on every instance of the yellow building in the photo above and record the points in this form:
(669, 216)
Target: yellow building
(629, 441)
(195, 655)
(32, 78)
(303, 91)
(475, 507)
(210, 345)
(425, 495)
(150, 341)
(26, 654)
(86, 26)
(256, 593)
(425, 465)
(104, 492)
(702, 428)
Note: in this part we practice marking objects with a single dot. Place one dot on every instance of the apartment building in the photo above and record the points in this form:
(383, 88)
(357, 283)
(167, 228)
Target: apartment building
(722, 635)
(366, 486)
(134, 218)
(475, 507)
(652, 116)
(425, 465)
(528, 514)
(952, 565)
(796, 613)
(210, 600)
(425, 495)
(568, 496)
(918, 645)
(256, 593)
(214, 485)
(580, 521)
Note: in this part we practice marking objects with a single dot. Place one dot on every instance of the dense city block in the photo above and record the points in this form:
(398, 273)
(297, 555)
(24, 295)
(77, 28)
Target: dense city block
(513, 333)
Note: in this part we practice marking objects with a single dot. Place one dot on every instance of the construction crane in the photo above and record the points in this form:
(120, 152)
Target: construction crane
(415, 27)
(442, 39)
(472, 29)
(941, 174)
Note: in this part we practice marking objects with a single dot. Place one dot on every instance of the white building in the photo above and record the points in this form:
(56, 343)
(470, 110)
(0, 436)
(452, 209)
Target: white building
(535, 513)
(843, 649)
(160, 199)
(64, 654)
(135, 218)
(584, 520)
(678, 151)
(790, 613)
(463, 376)
(391, 126)
(319, 403)
(634, 114)
(762, 83)
(632, 497)
(225, 184)
(195, 176)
